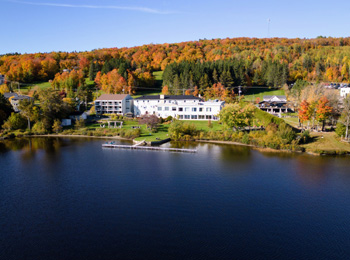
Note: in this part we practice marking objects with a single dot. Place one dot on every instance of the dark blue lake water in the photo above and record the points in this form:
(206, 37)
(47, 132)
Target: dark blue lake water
(71, 199)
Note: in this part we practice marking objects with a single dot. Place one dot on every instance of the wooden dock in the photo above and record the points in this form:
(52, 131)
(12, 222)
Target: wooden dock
(149, 148)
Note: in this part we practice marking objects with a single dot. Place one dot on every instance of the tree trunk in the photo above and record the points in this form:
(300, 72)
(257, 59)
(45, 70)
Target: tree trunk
(29, 123)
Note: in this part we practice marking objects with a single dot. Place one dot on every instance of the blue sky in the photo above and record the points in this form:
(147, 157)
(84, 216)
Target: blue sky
(79, 25)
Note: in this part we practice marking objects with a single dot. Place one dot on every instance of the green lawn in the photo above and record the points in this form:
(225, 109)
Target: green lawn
(328, 142)
(254, 93)
(203, 125)
(292, 121)
(42, 85)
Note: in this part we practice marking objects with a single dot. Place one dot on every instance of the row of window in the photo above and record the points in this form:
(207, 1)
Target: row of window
(186, 109)
(197, 117)
(165, 101)
(108, 103)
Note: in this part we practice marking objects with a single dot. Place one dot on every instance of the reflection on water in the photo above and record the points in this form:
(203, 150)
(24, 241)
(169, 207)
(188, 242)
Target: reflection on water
(67, 198)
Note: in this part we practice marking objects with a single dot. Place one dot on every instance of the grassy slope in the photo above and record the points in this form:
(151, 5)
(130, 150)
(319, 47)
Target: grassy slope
(254, 93)
(163, 130)
(326, 142)
(158, 75)
(26, 88)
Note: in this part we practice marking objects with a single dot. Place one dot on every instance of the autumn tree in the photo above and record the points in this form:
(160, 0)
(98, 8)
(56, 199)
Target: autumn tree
(57, 126)
(151, 121)
(304, 112)
(323, 111)
(237, 115)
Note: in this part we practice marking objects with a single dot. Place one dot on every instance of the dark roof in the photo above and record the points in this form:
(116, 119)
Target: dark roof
(169, 97)
(21, 97)
(10, 94)
(111, 97)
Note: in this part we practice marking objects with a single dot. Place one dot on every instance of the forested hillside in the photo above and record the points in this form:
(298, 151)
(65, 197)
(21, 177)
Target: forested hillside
(231, 62)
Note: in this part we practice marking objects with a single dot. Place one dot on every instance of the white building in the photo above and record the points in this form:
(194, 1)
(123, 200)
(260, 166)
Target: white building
(182, 107)
(114, 104)
(16, 99)
(344, 92)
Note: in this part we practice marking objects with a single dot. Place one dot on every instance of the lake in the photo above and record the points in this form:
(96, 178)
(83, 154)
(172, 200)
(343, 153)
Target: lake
(68, 198)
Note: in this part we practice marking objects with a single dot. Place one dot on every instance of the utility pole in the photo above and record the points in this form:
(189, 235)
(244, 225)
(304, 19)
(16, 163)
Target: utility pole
(268, 27)
(239, 92)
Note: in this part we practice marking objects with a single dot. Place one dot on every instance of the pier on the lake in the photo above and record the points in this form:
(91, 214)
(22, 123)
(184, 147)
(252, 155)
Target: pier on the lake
(149, 148)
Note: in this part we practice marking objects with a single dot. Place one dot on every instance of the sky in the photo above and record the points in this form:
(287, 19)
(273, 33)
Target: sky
(83, 25)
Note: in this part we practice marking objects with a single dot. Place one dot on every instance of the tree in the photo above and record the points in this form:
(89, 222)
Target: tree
(5, 109)
(345, 116)
(52, 107)
(237, 115)
(4, 89)
(57, 127)
(323, 111)
(79, 123)
(151, 121)
(28, 110)
(15, 122)
(304, 111)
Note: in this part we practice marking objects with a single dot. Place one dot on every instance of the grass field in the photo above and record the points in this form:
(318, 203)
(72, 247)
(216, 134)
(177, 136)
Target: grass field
(327, 142)
(26, 88)
(254, 93)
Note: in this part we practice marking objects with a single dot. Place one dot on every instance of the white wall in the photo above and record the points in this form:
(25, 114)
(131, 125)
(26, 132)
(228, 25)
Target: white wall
(344, 92)
(182, 109)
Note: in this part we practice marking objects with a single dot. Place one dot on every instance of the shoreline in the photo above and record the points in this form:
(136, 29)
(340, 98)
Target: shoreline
(260, 149)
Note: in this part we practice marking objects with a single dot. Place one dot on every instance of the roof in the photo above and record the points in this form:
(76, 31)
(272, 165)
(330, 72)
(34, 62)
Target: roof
(112, 97)
(275, 98)
(169, 97)
(21, 97)
(10, 94)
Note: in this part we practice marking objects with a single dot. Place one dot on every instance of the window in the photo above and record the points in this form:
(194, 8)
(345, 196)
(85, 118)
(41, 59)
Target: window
(159, 108)
(166, 108)
(187, 109)
(187, 117)
(180, 109)
(194, 117)
(208, 109)
(181, 117)
(208, 117)
(173, 108)
(194, 109)
(201, 109)
(201, 117)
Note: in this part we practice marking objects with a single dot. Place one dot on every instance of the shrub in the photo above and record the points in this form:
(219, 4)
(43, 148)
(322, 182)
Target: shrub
(341, 129)
(305, 137)
(178, 130)
(14, 122)
(39, 128)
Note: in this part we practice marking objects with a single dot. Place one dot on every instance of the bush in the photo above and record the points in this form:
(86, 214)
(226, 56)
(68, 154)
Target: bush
(14, 122)
(39, 128)
(341, 129)
(286, 133)
(305, 137)
(178, 130)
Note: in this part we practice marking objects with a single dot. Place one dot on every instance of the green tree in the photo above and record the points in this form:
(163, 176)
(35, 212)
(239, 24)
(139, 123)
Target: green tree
(52, 107)
(345, 116)
(79, 123)
(28, 110)
(237, 115)
(56, 127)
(5, 109)
(15, 122)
